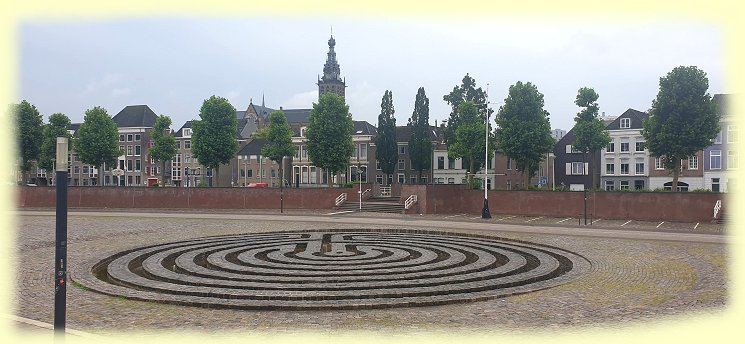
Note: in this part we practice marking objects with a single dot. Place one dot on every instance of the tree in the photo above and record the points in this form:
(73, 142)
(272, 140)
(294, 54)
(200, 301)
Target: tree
(98, 140)
(469, 138)
(330, 134)
(682, 120)
(467, 91)
(164, 144)
(386, 147)
(589, 129)
(280, 145)
(28, 134)
(420, 141)
(57, 127)
(524, 131)
(213, 136)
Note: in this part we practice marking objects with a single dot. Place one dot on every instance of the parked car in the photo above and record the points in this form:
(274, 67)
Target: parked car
(257, 185)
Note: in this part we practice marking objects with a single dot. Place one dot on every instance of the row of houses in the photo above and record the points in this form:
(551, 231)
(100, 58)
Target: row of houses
(624, 164)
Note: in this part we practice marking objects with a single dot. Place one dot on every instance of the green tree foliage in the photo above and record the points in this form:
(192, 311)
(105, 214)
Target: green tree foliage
(420, 141)
(280, 145)
(467, 91)
(330, 134)
(470, 138)
(386, 147)
(57, 127)
(164, 144)
(28, 134)
(213, 137)
(589, 129)
(98, 140)
(683, 119)
(524, 131)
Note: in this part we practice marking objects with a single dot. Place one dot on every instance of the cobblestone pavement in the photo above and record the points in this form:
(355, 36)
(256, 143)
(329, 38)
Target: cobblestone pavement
(633, 279)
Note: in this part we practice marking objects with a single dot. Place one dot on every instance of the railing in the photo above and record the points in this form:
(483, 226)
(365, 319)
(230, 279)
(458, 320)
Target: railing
(410, 201)
(341, 199)
(385, 191)
(717, 208)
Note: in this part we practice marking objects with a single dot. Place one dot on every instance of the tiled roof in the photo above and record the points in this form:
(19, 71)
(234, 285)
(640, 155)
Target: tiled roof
(297, 115)
(180, 132)
(364, 128)
(253, 147)
(135, 116)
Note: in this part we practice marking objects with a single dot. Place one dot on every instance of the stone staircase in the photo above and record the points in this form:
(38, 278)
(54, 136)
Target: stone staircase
(374, 205)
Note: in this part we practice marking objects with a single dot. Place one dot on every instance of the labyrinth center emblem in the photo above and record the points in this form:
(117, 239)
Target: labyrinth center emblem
(332, 269)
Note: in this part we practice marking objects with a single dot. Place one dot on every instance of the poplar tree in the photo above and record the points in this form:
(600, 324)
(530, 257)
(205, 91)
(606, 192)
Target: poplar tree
(164, 144)
(420, 141)
(386, 147)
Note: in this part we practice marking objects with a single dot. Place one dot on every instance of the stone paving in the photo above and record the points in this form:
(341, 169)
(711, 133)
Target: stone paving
(629, 281)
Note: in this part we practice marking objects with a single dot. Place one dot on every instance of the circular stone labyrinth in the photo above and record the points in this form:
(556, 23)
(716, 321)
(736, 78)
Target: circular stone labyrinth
(332, 269)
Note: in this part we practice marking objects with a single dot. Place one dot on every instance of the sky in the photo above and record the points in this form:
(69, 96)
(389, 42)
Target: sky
(173, 64)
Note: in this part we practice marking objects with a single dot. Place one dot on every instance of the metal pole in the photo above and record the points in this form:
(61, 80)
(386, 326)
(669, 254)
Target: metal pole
(60, 253)
(584, 188)
(485, 211)
(281, 185)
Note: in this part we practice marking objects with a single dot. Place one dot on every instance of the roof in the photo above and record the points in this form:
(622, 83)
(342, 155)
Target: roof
(180, 132)
(253, 147)
(637, 118)
(403, 133)
(139, 116)
(297, 115)
(364, 128)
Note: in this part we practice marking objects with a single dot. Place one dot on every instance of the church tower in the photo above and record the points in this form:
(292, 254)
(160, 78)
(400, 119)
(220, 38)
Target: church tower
(331, 82)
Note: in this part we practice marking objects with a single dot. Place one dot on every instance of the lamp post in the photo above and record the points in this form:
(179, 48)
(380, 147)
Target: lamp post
(485, 211)
(60, 254)
(186, 173)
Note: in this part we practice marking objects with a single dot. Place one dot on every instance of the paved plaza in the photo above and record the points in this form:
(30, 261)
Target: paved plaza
(635, 274)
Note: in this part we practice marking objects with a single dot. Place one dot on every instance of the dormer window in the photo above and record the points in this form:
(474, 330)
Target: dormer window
(187, 131)
(625, 123)
(302, 131)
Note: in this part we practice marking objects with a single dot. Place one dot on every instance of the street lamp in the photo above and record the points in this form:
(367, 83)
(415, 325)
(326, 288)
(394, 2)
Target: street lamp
(485, 211)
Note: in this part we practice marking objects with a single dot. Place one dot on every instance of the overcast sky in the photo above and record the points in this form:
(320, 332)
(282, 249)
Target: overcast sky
(172, 65)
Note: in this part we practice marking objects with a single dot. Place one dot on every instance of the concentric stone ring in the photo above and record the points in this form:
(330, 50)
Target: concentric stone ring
(332, 269)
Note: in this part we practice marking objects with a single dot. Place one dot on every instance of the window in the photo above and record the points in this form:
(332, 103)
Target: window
(639, 145)
(138, 150)
(569, 149)
(178, 144)
(731, 134)
(187, 132)
(304, 152)
(129, 165)
(129, 150)
(187, 158)
(413, 179)
(401, 164)
(715, 160)
(297, 152)
(451, 163)
(611, 147)
(451, 180)
(693, 162)
(578, 168)
(242, 173)
(138, 137)
(659, 164)
(638, 184)
(718, 139)
(624, 185)
(121, 137)
(731, 159)
(250, 173)
(77, 169)
(440, 162)
(138, 165)
(377, 165)
(640, 167)
(379, 179)
(363, 151)
(715, 184)
(121, 149)
(509, 163)
(401, 149)
(187, 144)
(129, 137)
(610, 185)
(85, 169)
(401, 178)
(610, 168)
(624, 168)
(302, 131)
(624, 144)
(625, 123)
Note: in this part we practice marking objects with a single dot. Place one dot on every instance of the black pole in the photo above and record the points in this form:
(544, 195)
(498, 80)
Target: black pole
(584, 189)
(281, 186)
(60, 252)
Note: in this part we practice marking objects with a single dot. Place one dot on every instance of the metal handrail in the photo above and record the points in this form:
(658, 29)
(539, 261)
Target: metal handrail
(341, 199)
(366, 191)
(717, 207)
(385, 191)
(410, 201)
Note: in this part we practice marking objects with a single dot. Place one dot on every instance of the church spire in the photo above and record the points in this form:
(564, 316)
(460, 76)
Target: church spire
(331, 80)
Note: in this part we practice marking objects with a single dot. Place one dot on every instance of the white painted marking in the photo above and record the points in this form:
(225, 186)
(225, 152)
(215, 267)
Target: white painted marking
(696, 226)
(477, 217)
(626, 223)
(539, 217)
(341, 212)
(591, 222)
(658, 226)
(48, 326)
(508, 217)
(456, 215)
(568, 218)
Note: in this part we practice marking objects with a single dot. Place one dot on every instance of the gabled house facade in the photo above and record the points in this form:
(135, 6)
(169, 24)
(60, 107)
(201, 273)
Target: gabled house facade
(720, 160)
(625, 161)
